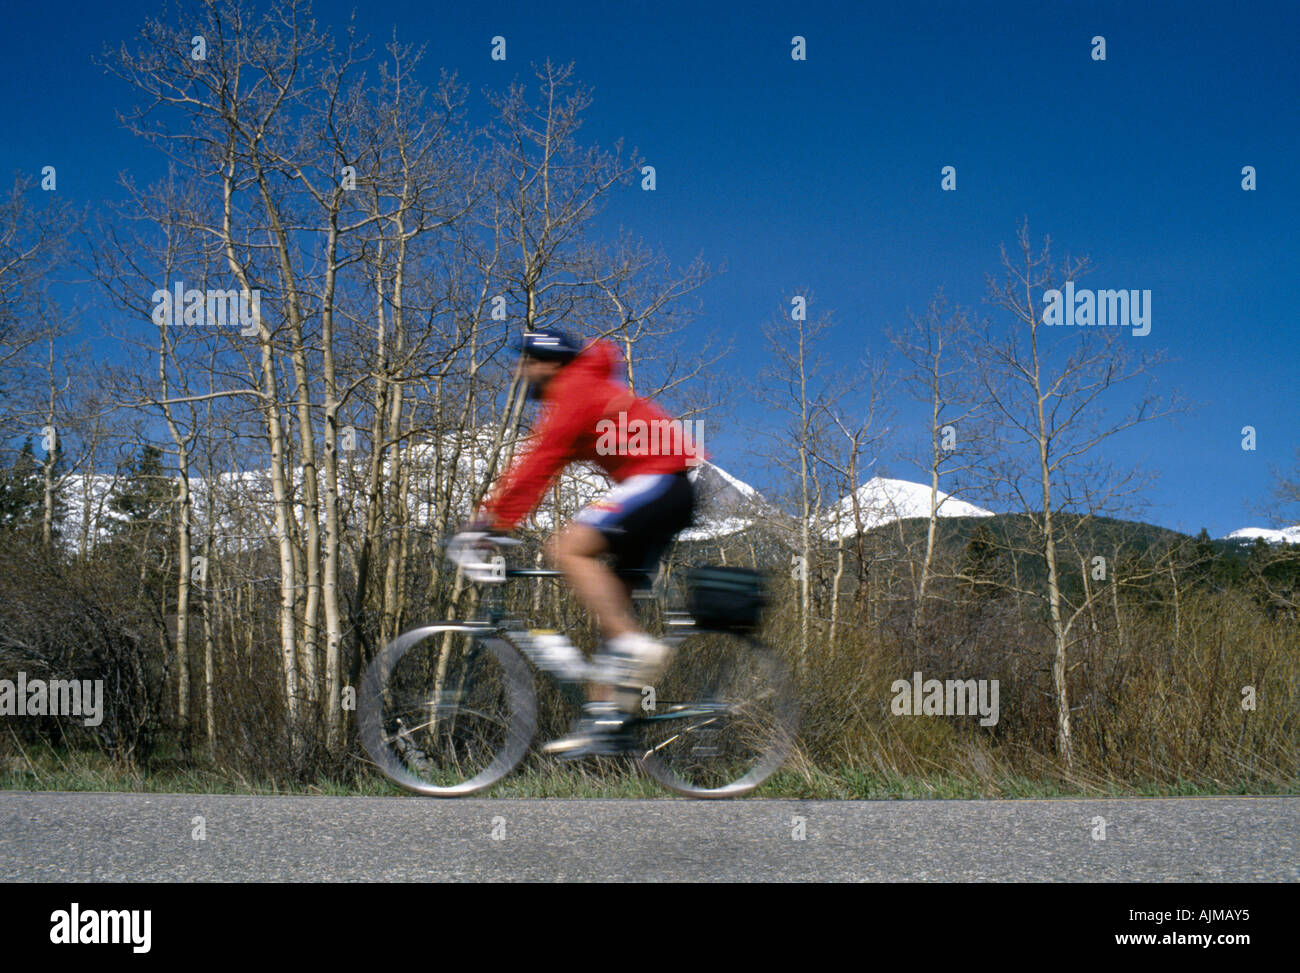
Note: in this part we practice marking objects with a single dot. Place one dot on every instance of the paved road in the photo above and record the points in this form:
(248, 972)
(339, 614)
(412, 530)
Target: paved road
(150, 837)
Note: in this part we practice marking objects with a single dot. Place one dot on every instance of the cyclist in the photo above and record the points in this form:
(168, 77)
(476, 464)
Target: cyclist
(587, 415)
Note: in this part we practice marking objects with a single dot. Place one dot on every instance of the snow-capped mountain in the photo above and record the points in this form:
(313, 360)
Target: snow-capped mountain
(881, 501)
(727, 504)
(1247, 535)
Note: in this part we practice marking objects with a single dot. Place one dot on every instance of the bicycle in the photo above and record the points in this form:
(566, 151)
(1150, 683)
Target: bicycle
(450, 708)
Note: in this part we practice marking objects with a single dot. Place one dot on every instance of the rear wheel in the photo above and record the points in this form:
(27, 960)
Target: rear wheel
(447, 710)
(724, 718)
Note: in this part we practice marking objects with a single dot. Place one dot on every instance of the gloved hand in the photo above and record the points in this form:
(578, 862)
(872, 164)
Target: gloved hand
(476, 553)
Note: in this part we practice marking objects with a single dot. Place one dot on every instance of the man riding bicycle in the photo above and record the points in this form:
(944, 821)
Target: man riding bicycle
(586, 416)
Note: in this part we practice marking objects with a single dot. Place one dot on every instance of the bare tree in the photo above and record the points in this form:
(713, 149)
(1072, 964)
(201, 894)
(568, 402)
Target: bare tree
(796, 386)
(935, 346)
(854, 432)
(35, 237)
(1051, 397)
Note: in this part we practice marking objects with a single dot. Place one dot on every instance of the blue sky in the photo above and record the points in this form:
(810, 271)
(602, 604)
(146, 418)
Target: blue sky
(824, 174)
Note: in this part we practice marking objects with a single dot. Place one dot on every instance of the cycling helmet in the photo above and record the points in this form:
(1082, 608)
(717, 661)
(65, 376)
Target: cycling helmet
(549, 344)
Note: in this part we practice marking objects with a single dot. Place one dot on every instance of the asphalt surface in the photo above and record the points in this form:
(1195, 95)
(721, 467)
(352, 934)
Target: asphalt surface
(158, 837)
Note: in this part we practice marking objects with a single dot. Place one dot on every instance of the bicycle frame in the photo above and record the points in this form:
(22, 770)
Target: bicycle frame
(496, 620)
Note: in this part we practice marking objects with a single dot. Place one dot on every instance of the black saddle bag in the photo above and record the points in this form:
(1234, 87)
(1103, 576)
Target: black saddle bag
(726, 599)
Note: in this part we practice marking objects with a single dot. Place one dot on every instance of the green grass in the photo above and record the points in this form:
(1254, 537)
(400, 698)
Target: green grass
(44, 768)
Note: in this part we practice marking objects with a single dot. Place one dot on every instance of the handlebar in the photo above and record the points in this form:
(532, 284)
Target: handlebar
(467, 551)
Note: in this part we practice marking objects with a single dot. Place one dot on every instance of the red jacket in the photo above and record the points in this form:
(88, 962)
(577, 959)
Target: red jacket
(587, 415)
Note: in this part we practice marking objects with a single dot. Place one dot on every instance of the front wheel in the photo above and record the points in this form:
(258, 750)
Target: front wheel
(447, 710)
(724, 717)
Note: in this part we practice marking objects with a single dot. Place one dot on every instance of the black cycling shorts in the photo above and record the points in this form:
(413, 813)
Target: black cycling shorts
(640, 517)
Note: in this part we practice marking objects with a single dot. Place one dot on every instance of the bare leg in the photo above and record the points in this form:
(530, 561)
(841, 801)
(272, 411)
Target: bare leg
(577, 550)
